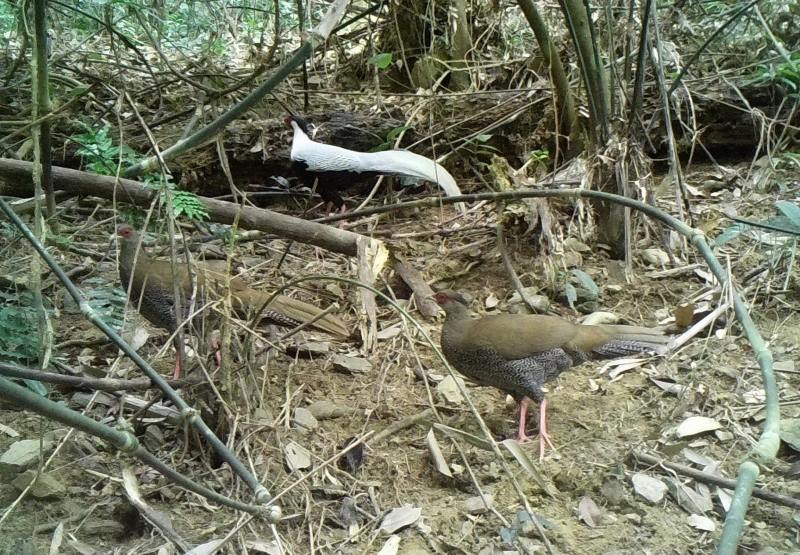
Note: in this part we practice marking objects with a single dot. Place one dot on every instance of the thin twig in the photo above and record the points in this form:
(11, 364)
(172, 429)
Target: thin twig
(726, 483)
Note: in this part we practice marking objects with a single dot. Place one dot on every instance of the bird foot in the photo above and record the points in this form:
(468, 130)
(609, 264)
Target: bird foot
(215, 344)
(331, 210)
(522, 437)
(544, 437)
(544, 440)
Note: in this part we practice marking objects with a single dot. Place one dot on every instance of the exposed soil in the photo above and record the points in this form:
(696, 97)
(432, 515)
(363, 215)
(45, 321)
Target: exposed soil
(595, 422)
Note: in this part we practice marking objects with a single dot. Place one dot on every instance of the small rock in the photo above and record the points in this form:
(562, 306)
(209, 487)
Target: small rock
(516, 298)
(351, 365)
(572, 259)
(540, 303)
(613, 491)
(309, 349)
(263, 415)
(528, 529)
(723, 435)
(651, 489)
(46, 485)
(633, 517)
(153, 438)
(304, 419)
(476, 506)
(596, 318)
(655, 257)
(448, 389)
(570, 243)
(661, 314)
(23, 453)
(582, 291)
(326, 410)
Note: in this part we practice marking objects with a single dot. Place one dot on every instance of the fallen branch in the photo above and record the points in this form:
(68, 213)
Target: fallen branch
(83, 382)
(395, 427)
(15, 180)
(726, 483)
(423, 294)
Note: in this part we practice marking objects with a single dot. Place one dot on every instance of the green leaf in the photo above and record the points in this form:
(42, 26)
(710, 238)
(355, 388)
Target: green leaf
(790, 210)
(540, 155)
(185, 203)
(19, 327)
(783, 224)
(381, 61)
(729, 234)
(381, 147)
(37, 387)
(107, 301)
(790, 432)
(395, 133)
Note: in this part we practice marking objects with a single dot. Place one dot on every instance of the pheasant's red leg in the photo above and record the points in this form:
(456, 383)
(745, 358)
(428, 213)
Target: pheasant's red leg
(341, 210)
(544, 437)
(217, 350)
(523, 417)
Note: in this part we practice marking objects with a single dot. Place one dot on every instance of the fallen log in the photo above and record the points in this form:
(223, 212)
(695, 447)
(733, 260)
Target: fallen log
(15, 181)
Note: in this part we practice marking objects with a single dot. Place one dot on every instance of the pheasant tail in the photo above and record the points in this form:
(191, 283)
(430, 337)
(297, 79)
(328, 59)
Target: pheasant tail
(289, 312)
(631, 340)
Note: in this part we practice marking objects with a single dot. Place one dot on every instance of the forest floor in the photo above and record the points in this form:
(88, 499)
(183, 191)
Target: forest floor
(583, 492)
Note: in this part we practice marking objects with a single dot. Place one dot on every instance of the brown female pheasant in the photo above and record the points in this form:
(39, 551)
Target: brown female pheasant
(519, 353)
(149, 286)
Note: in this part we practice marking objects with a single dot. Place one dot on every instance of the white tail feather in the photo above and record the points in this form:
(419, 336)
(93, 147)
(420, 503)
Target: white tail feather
(322, 157)
(403, 162)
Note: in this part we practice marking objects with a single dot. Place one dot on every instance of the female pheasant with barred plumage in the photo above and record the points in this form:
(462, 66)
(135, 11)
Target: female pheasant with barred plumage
(519, 353)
